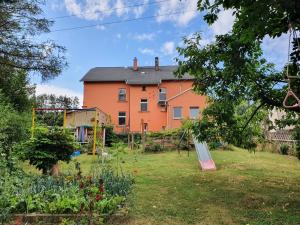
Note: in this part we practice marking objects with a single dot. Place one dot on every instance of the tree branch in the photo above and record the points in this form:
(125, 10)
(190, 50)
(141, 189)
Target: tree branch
(252, 116)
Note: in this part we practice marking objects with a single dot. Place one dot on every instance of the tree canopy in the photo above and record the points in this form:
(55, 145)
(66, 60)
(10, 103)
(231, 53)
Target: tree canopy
(21, 21)
(232, 71)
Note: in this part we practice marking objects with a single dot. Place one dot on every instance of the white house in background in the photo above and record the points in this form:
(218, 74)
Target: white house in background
(276, 134)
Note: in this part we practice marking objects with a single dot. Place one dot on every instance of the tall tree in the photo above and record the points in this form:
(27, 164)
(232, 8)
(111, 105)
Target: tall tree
(15, 86)
(54, 118)
(232, 70)
(21, 21)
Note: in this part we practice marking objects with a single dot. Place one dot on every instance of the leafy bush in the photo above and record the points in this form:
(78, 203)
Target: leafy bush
(153, 147)
(284, 149)
(13, 129)
(110, 136)
(48, 147)
(116, 185)
(297, 138)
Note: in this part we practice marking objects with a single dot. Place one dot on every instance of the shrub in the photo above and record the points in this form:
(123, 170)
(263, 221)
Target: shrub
(153, 147)
(13, 130)
(48, 147)
(284, 149)
(297, 138)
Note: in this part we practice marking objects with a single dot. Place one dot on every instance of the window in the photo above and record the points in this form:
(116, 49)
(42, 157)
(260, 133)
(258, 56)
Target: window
(122, 94)
(162, 94)
(194, 112)
(177, 112)
(144, 105)
(143, 88)
(122, 118)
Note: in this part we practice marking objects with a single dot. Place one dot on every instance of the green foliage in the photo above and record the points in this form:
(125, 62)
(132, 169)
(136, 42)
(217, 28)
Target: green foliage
(232, 71)
(297, 138)
(110, 136)
(13, 129)
(15, 86)
(284, 149)
(22, 21)
(225, 122)
(53, 118)
(164, 133)
(153, 147)
(48, 146)
(116, 184)
(102, 194)
(255, 19)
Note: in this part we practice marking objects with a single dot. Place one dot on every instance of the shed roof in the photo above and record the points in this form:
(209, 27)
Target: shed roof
(144, 75)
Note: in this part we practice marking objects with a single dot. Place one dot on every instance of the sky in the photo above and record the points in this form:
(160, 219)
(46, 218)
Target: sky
(116, 34)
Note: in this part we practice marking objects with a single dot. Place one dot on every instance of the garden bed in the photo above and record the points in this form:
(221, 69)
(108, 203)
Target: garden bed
(36, 198)
(36, 218)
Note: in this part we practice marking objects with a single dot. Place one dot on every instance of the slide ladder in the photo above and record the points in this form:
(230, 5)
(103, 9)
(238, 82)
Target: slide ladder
(204, 156)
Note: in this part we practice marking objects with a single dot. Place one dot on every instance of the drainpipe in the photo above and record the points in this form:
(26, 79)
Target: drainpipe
(129, 108)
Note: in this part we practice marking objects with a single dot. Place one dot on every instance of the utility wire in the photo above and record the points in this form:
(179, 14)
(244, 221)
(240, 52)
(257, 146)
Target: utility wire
(116, 8)
(120, 21)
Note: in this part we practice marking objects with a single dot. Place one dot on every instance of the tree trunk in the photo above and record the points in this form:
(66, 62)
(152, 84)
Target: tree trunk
(55, 170)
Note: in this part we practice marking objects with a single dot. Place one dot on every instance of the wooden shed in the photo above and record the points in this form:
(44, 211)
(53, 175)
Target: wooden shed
(83, 122)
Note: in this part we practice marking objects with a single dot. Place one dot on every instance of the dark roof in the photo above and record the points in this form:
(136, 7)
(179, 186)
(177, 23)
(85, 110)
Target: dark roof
(144, 75)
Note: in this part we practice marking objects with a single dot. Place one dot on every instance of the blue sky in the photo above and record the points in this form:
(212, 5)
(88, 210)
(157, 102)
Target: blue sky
(118, 44)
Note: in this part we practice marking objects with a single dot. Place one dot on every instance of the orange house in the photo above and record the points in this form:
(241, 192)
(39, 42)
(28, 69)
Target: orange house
(137, 98)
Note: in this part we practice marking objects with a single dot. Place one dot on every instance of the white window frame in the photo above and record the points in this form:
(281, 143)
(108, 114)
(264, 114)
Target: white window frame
(194, 107)
(162, 90)
(174, 117)
(122, 94)
(123, 116)
(144, 102)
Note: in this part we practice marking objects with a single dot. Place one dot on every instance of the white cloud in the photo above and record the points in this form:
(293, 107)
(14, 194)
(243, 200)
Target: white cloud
(146, 51)
(224, 23)
(99, 9)
(187, 7)
(168, 48)
(139, 10)
(144, 37)
(120, 8)
(51, 89)
(185, 10)
(91, 10)
(72, 7)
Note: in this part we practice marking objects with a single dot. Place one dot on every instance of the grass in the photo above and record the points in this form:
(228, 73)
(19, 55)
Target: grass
(247, 188)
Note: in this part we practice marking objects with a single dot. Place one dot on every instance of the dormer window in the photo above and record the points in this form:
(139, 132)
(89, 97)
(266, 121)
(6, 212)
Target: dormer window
(122, 95)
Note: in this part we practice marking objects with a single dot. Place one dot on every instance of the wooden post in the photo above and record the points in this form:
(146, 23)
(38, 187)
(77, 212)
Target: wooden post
(104, 134)
(143, 135)
(128, 138)
(65, 119)
(95, 133)
(132, 141)
(55, 170)
(32, 122)
(188, 143)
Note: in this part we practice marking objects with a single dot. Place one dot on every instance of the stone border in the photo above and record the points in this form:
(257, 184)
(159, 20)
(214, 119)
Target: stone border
(34, 218)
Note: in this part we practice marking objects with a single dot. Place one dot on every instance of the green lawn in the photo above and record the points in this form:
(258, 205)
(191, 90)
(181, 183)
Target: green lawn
(247, 188)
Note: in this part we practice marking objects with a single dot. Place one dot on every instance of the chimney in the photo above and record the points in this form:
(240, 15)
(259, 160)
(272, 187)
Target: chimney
(135, 64)
(156, 64)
